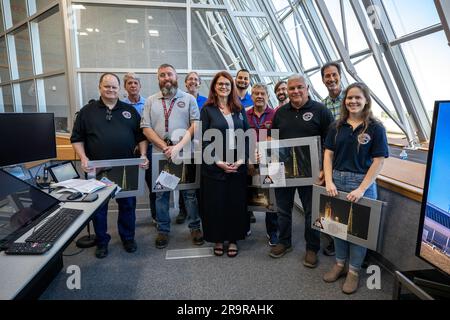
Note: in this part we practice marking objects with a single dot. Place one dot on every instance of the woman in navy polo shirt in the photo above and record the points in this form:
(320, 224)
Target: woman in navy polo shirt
(355, 148)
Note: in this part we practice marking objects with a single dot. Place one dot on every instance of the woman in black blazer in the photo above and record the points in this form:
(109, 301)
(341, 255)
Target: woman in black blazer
(223, 194)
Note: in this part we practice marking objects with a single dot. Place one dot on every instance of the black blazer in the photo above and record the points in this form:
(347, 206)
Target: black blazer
(212, 118)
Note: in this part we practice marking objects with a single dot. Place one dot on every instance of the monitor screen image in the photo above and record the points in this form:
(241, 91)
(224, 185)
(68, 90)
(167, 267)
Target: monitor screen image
(433, 241)
(21, 206)
(26, 137)
(63, 171)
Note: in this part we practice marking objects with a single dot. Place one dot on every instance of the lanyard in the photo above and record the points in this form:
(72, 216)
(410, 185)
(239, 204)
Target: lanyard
(167, 113)
(255, 120)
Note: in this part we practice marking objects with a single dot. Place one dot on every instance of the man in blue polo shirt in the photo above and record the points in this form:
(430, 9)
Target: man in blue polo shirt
(193, 83)
(301, 117)
(242, 81)
(132, 85)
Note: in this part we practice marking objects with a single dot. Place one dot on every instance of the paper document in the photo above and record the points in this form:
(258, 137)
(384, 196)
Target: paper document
(274, 174)
(83, 186)
(167, 180)
(334, 228)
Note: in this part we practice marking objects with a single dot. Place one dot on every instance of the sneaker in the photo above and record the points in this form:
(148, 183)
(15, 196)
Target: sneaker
(329, 249)
(181, 217)
(310, 260)
(130, 245)
(279, 250)
(273, 239)
(101, 251)
(197, 237)
(335, 273)
(351, 283)
(162, 240)
(252, 217)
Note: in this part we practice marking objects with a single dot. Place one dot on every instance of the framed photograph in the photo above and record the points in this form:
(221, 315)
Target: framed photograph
(188, 172)
(126, 173)
(260, 199)
(299, 157)
(358, 223)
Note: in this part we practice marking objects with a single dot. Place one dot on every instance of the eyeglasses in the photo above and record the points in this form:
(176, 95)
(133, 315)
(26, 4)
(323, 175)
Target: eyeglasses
(108, 114)
(224, 84)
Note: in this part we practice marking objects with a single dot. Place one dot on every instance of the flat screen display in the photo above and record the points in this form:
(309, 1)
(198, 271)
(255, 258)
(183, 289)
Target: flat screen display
(433, 242)
(26, 137)
(21, 206)
(63, 171)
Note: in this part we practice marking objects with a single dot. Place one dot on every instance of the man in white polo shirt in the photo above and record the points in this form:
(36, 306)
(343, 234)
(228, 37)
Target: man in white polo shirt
(164, 112)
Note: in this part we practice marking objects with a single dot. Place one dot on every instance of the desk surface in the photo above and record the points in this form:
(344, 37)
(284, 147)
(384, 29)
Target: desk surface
(18, 270)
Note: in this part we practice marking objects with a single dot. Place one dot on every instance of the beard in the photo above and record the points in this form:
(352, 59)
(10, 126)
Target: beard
(169, 90)
(281, 97)
(241, 86)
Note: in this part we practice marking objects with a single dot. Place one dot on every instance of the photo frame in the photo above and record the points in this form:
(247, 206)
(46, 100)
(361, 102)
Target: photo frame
(260, 199)
(189, 173)
(358, 223)
(126, 173)
(301, 158)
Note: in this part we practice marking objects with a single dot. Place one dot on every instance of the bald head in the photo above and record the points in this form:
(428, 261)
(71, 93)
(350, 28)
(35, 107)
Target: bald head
(297, 90)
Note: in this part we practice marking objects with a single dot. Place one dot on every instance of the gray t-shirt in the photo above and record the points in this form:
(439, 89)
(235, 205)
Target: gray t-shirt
(184, 112)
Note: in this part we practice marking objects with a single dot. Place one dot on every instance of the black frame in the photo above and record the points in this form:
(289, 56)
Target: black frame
(50, 170)
(437, 104)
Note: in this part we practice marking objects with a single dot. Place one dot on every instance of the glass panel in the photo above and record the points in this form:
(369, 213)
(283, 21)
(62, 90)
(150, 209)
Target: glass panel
(4, 65)
(201, 41)
(408, 16)
(23, 52)
(134, 37)
(57, 101)
(28, 95)
(2, 28)
(43, 3)
(7, 101)
(18, 10)
(220, 2)
(52, 42)
(424, 69)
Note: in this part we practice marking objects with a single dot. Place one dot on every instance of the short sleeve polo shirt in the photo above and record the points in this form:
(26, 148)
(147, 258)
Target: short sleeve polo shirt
(139, 106)
(184, 112)
(353, 150)
(246, 101)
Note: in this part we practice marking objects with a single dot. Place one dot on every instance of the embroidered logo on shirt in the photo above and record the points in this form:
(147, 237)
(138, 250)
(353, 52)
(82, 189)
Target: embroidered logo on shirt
(364, 138)
(181, 104)
(126, 115)
(307, 116)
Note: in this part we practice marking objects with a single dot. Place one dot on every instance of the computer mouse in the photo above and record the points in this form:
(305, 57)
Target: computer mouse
(74, 196)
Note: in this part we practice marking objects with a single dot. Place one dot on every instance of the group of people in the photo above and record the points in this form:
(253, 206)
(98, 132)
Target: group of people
(354, 142)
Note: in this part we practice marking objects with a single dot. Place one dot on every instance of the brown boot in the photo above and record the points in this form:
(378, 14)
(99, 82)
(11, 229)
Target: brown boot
(197, 237)
(351, 283)
(310, 260)
(335, 273)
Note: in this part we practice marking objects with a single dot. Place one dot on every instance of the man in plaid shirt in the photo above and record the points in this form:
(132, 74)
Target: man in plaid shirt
(331, 78)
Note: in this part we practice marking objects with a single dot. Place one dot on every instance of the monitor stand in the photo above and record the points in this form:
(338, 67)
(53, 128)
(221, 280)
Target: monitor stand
(87, 241)
(432, 281)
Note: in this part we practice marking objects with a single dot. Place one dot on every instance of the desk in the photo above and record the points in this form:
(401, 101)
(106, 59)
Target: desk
(25, 277)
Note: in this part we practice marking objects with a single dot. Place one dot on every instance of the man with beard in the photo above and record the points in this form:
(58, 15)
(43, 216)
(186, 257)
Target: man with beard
(193, 83)
(301, 117)
(242, 81)
(281, 93)
(331, 78)
(164, 112)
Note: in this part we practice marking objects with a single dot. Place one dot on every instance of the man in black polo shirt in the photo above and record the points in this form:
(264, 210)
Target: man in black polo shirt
(301, 117)
(110, 129)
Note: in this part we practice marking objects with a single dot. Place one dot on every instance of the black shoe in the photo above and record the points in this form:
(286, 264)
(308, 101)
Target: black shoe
(101, 251)
(130, 245)
(181, 217)
(162, 240)
(252, 217)
(329, 250)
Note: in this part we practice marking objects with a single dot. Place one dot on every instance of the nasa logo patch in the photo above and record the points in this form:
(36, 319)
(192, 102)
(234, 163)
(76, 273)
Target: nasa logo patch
(308, 116)
(181, 104)
(126, 114)
(364, 138)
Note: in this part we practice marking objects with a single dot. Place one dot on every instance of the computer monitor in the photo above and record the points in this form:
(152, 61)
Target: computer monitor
(22, 206)
(433, 240)
(63, 171)
(26, 137)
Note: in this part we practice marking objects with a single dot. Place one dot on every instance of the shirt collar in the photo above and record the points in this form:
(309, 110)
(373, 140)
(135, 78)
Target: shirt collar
(178, 94)
(340, 97)
(252, 110)
(307, 105)
(103, 105)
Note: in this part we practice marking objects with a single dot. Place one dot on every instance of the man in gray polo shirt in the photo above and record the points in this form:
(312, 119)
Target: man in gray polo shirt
(164, 112)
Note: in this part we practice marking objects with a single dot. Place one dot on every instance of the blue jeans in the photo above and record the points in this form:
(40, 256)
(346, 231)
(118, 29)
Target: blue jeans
(347, 182)
(126, 221)
(271, 223)
(285, 203)
(162, 210)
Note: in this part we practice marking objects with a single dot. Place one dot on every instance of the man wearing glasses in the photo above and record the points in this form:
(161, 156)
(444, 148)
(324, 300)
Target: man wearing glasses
(110, 129)
(301, 117)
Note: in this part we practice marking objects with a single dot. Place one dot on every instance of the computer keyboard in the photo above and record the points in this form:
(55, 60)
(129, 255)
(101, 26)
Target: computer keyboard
(55, 226)
(28, 248)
